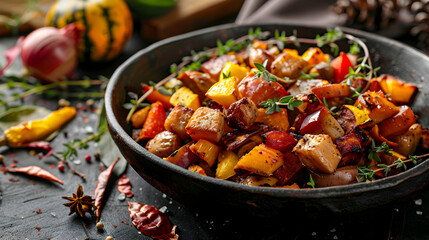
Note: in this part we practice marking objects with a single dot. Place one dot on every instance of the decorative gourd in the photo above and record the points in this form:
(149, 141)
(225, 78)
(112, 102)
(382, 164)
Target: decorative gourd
(108, 26)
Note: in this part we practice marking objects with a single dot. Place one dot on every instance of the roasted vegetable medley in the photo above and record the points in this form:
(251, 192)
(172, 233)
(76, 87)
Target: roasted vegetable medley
(259, 112)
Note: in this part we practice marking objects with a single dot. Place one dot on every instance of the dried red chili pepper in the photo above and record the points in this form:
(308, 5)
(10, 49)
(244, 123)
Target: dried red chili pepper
(151, 222)
(35, 171)
(124, 186)
(43, 145)
(102, 181)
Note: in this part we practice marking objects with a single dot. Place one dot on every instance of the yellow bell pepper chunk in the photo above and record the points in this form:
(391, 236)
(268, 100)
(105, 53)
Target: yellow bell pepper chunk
(292, 52)
(398, 90)
(186, 97)
(224, 92)
(226, 163)
(233, 70)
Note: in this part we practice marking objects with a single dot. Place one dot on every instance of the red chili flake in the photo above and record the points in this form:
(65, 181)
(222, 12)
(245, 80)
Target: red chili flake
(38, 229)
(101, 168)
(125, 222)
(102, 181)
(43, 145)
(36, 171)
(12, 165)
(52, 166)
(85, 120)
(13, 180)
(33, 182)
(3, 168)
(88, 158)
(151, 222)
(15, 161)
(12, 155)
(39, 211)
(115, 226)
(124, 186)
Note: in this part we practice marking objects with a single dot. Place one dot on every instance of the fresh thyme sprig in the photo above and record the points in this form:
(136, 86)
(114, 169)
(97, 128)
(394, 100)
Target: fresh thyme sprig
(262, 72)
(382, 148)
(311, 182)
(367, 174)
(74, 145)
(49, 89)
(272, 105)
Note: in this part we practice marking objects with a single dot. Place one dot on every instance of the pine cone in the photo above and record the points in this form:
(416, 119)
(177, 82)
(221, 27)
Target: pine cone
(370, 15)
(419, 9)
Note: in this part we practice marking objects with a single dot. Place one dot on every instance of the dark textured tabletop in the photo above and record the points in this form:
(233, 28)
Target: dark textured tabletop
(32, 208)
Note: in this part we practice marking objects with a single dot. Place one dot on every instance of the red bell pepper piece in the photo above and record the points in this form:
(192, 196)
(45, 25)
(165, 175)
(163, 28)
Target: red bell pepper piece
(154, 123)
(341, 66)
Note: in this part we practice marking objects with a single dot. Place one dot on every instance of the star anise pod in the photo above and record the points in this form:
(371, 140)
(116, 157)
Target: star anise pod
(79, 203)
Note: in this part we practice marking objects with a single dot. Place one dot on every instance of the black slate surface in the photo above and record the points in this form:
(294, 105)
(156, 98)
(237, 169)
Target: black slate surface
(31, 208)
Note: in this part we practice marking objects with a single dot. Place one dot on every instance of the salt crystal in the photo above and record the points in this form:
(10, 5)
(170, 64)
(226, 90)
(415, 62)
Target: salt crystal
(313, 234)
(141, 189)
(121, 197)
(76, 161)
(163, 209)
(89, 129)
(53, 214)
(418, 202)
(196, 214)
(164, 195)
(333, 230)
(335, 237)
(396, 210)
(419, 213)
(170, 202)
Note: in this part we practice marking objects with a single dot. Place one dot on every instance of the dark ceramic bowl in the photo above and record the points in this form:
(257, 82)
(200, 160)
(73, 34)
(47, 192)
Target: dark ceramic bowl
(152, 64)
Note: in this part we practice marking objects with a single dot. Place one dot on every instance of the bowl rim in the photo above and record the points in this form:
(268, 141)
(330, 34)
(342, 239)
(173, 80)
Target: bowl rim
(316, 193)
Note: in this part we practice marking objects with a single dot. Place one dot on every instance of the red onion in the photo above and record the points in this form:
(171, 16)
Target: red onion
(49, 54)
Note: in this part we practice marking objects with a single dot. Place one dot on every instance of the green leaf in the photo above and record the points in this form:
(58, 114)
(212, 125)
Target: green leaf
(260, 67)
(311, 183)
(107, 147)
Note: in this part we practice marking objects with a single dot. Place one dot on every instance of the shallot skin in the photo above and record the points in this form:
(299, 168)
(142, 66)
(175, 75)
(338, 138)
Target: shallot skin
(49, 54)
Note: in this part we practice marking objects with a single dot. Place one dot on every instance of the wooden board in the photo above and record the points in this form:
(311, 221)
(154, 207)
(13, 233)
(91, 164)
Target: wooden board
(189, 15)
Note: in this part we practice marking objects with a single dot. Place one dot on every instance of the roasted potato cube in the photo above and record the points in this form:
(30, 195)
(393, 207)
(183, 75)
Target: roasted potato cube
(164, 144)
(206, 150)
(178, 119)
(226, 163)
(318, 153)
(287, 65)
(241, 114)
(261, 160)
(259, 55)
(378, 106)
(206, 123)
(186, 97)
(224, 92)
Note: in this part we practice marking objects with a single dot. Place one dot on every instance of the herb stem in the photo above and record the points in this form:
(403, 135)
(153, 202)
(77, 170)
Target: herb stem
(404, 161)
(81, 175)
